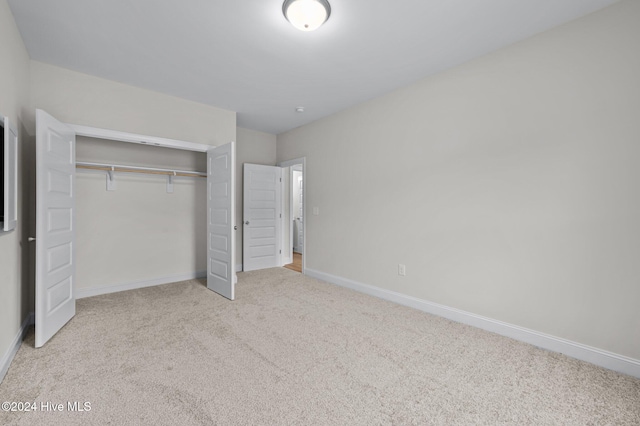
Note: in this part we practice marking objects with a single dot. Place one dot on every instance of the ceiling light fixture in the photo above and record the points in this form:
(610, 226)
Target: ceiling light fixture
(306, 15)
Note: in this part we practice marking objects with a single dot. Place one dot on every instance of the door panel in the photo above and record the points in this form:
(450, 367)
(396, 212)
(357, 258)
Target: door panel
(221, 270)
(55, 226)
(262, 217)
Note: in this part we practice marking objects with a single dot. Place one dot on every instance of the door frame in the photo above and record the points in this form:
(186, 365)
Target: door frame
(288, 163)
(118, 136)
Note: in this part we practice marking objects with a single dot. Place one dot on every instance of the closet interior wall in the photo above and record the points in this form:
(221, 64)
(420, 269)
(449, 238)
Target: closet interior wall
(138, 232)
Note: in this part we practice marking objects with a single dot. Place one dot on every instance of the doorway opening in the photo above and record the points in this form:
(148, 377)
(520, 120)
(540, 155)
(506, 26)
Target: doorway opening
(294, 200)
(296, 265)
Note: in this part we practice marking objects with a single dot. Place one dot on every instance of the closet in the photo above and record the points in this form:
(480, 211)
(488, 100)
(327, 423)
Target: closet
(140, 217)
(57, 193)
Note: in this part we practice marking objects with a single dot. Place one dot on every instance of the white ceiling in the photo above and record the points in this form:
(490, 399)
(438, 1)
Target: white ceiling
(243, 55)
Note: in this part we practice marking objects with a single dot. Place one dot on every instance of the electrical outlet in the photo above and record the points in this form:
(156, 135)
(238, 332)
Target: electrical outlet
(402, 270)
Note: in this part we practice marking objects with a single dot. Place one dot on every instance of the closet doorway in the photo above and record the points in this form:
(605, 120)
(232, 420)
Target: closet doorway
(55, 216)
(142, 225)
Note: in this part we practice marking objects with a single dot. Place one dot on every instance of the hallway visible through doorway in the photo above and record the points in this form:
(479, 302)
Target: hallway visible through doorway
(297, 263)
(293, 207)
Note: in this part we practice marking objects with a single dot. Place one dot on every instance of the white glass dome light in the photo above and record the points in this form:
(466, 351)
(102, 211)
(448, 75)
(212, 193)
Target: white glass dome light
(306, 15)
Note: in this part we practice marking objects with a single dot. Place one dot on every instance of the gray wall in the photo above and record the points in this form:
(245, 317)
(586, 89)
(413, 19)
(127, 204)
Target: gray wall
(78, 98)
(14, 249)
(507, 185)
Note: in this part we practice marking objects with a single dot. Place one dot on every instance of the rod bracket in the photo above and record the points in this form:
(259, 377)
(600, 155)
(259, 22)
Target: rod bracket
(111, 179)
(170, 183)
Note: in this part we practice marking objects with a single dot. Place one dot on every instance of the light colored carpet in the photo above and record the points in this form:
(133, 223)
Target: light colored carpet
(292, 350)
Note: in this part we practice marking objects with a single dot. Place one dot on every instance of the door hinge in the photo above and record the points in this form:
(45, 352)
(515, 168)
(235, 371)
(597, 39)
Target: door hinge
(280, 215)
(280, 179)
(280, 251)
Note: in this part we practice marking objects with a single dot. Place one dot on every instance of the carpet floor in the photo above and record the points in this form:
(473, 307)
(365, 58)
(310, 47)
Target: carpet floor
(292, 350)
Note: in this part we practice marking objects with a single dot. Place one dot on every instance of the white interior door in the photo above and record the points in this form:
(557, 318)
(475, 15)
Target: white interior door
(262, 218)
(55, 226)
(221, 189)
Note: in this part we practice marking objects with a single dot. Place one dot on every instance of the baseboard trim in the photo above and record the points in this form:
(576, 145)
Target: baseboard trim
(239, 267)
(97, 291)
(602, 358)
(5, 362)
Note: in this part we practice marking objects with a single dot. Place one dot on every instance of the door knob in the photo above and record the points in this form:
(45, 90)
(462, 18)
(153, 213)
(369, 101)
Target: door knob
(247, 222)
(235, 227)
(31, 239)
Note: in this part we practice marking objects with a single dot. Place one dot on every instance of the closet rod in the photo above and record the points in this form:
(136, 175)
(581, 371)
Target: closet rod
(134, 169)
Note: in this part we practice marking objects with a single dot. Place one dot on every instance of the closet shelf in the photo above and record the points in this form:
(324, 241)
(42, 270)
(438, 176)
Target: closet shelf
(134, 169)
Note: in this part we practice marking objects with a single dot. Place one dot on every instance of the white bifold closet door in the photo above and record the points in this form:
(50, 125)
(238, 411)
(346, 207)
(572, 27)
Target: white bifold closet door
(55, 226)
(221, 246)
